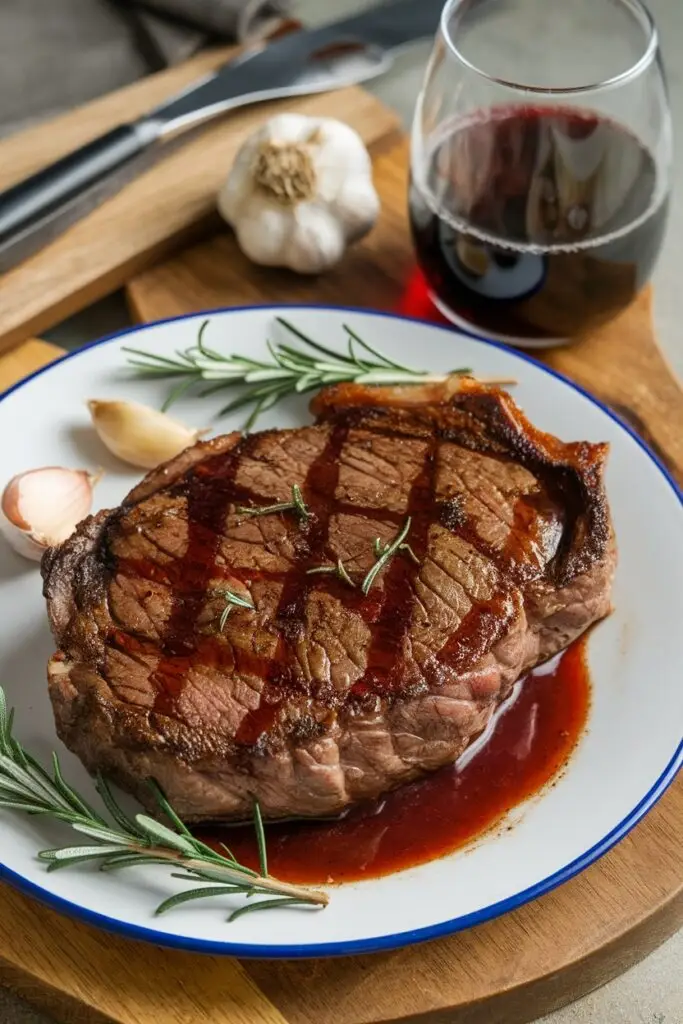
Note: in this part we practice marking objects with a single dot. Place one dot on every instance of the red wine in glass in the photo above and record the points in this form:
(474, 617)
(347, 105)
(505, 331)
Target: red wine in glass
(536, 222)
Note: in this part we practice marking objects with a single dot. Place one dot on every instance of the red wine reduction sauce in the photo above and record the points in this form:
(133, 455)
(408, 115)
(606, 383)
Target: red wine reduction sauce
(531, 741)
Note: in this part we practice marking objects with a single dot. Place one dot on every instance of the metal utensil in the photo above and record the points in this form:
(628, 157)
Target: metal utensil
(353, 50)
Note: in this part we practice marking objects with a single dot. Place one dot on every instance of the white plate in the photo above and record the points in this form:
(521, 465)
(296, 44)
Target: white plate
(628, 756)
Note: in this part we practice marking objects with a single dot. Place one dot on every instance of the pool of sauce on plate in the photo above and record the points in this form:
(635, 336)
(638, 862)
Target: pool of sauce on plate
(533, 736)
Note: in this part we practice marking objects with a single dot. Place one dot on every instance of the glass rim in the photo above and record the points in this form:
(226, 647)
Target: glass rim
(652, 44)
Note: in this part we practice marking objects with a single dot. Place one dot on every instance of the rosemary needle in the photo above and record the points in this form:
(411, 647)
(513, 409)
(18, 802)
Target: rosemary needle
(386, 555)
(126, 841)
(339, 570)
(297, 504)
(380, 548)
(232, 600)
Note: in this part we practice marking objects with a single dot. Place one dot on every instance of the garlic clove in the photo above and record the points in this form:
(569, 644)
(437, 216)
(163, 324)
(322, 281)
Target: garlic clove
(360, 206)
(264, 247)
(42, 507)
(139, 435)
(316, 243)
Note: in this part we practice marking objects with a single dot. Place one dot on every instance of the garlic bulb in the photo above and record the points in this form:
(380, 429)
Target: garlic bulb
(139, 435)
(42, 507)
(300, 190)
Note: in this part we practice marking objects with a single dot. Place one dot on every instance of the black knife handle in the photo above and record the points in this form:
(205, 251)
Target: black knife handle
(40, 195)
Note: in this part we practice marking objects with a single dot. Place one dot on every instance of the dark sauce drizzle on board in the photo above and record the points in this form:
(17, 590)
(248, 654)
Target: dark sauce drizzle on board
(455, 803)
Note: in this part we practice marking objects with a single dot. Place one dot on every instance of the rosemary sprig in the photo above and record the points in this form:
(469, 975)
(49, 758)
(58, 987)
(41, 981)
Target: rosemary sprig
(232, 600)
(292, 370)
(339, 570)
(297, 504)
(380, 549)
(126, 841)
(386, 553)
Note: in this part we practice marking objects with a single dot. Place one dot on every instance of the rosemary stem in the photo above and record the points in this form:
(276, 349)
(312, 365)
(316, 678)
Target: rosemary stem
(223, 872)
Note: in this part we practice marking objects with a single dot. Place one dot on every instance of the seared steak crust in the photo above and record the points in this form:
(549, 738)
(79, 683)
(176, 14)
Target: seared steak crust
(321, 696)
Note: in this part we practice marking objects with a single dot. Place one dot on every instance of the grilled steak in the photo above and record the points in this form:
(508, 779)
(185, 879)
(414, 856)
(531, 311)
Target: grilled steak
(323, 695)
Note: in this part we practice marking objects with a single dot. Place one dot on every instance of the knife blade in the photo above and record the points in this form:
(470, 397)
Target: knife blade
(386, 28)
(35, 211)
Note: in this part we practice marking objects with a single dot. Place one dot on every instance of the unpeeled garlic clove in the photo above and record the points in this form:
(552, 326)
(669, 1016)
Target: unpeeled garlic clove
(139, 435)
(42, 507)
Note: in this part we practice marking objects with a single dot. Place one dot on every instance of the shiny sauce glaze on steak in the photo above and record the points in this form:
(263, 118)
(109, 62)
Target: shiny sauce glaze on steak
(322, 696)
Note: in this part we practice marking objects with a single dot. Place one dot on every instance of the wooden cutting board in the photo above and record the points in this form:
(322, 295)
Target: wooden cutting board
(152, 216)
(508, 971)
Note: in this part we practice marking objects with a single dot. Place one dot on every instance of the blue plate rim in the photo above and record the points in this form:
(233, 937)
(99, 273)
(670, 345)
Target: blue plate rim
(399, 939)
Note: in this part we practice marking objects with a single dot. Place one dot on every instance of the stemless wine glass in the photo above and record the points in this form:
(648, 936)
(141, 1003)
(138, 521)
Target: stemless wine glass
(540, 161)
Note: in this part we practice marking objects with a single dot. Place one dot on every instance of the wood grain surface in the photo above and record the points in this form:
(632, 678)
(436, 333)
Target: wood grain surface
(623, 366)
(169, 204)
(25, 360)
(86, 976)
(216, 273)
(508, 971)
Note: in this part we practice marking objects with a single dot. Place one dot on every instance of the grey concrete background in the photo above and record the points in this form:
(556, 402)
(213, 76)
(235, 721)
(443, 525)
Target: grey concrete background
(652, 992)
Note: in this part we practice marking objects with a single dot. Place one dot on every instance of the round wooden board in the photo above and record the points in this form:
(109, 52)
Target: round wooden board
(579, 936)
(508, 971)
